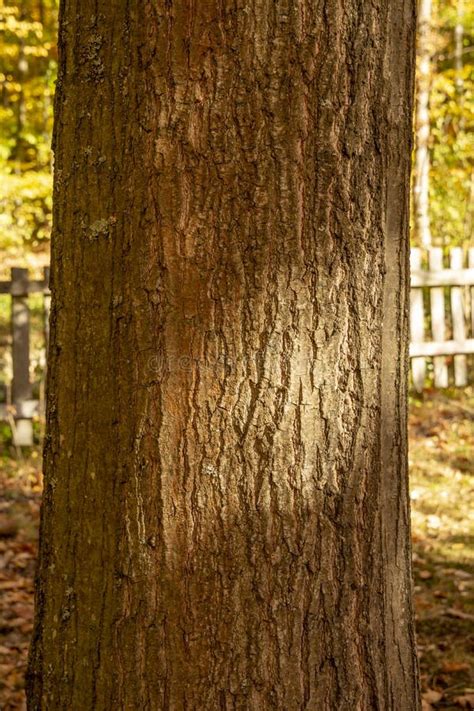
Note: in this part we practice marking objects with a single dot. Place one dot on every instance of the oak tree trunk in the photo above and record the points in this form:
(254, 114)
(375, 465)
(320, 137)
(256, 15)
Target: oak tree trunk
(225, 521)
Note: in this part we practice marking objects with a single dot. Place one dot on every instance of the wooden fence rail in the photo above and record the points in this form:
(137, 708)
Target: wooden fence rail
(441, 322)
(441, 316)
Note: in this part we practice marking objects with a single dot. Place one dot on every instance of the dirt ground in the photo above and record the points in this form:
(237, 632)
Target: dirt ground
(442, 495)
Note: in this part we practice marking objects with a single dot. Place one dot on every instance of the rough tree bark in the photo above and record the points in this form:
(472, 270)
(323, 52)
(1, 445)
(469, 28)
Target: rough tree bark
(225, 521)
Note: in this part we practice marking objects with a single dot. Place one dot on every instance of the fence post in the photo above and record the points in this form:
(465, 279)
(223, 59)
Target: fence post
(417, 323)
(21, 386)
(471, 289)
(438, 318)
(46, 314)
(457, 311)
(46, 307)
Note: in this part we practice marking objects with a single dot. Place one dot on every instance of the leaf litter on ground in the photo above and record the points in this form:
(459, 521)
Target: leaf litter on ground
(442, 494)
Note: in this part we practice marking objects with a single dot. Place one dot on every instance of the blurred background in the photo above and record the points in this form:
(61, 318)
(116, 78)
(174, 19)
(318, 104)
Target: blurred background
(441, 348)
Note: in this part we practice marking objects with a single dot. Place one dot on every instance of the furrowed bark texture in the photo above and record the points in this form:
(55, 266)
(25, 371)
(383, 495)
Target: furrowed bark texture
(225, 520)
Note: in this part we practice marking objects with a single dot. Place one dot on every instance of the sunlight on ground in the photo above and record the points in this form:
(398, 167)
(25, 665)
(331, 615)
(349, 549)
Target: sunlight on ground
(442, 499)
(441, 471)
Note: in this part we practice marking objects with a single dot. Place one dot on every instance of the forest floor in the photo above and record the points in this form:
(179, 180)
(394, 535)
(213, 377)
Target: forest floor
(442, 502)
(442, 495)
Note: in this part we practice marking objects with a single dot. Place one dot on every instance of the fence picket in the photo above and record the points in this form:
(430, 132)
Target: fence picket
(417, 324)
(438, 328)
(21, 386)
(46, 306)
(470, 254)
(457, 311)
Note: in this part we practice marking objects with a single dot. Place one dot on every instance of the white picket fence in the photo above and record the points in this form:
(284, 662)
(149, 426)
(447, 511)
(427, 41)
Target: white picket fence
(441, 317)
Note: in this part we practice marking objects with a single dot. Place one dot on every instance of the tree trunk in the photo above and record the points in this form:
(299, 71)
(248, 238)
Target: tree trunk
(421, 184)
(225, 521)
(18, 149)
(458, 47)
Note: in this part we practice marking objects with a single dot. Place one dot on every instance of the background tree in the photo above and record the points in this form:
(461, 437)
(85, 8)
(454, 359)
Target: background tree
(421, 193)
(444, 172)
(225, 519)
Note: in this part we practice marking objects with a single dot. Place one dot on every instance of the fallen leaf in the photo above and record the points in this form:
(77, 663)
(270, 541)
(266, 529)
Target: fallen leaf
(465, 702)
(452, 612)
(5, 669)
(458, 572)
(432, 697)
(8, 528)
(16, 680)
(7, 625)
(453, 667)
(12, 584)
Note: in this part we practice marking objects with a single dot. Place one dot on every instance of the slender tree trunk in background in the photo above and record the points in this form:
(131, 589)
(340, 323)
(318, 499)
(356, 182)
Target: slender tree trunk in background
(421, 183)
(459, 83)
(458, 46)
(225, 521)
(18, 149)
(41, 11)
